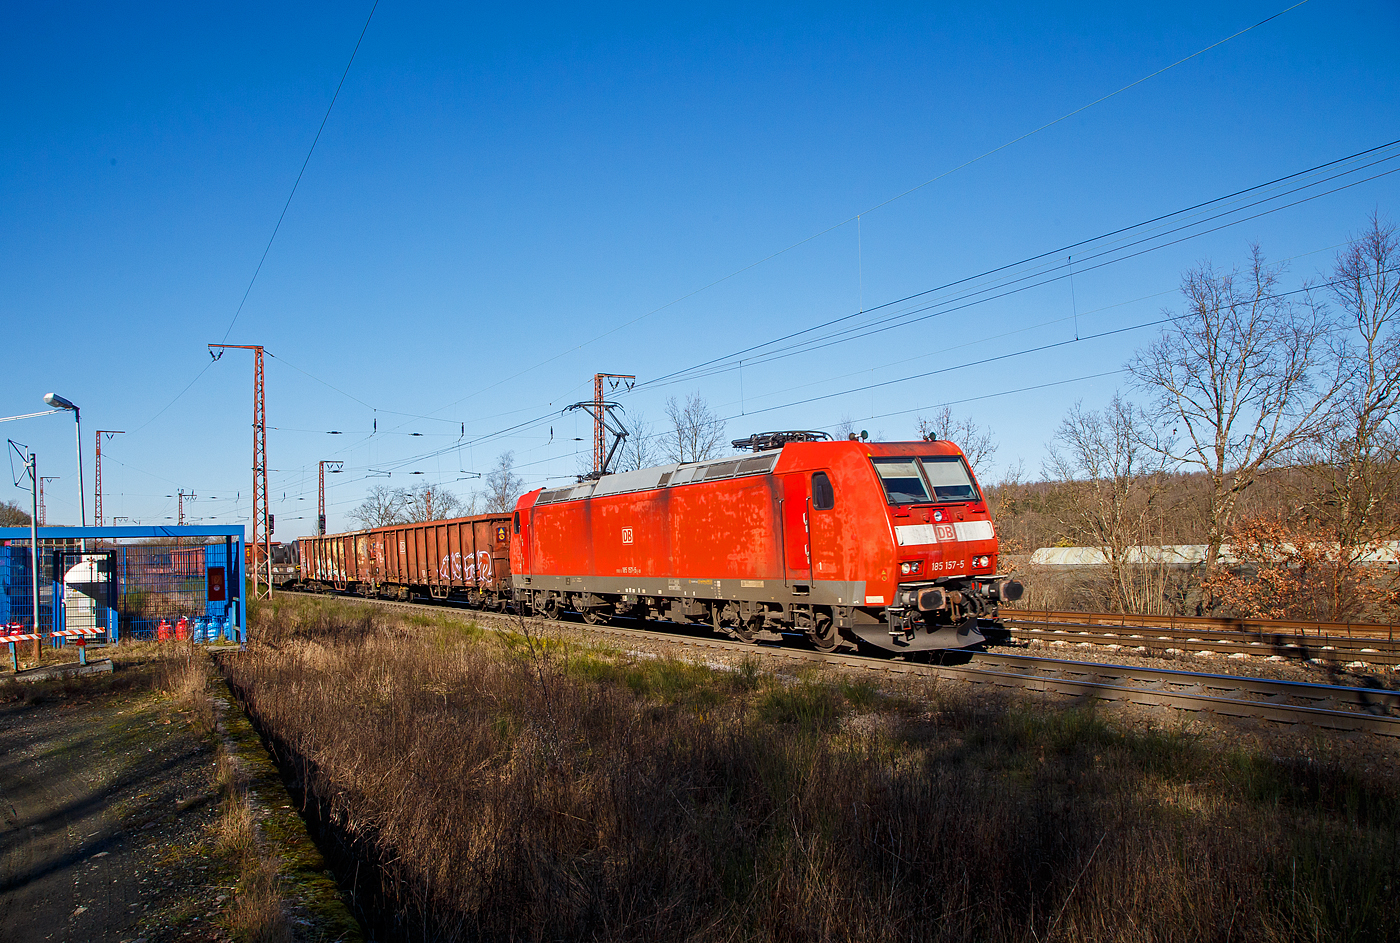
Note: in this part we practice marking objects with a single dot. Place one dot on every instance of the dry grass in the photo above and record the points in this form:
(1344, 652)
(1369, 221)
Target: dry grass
(257, 913)
(517, 787)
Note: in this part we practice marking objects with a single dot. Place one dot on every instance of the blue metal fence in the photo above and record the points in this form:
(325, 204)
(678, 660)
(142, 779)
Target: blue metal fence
(130, 583)
(17, 589)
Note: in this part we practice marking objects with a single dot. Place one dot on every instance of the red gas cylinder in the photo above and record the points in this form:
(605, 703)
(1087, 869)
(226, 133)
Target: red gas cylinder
(163, 631)
(182, 630)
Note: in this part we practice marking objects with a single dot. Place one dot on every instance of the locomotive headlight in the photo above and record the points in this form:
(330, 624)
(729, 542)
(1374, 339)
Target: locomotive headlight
(911, 566)
(904, 568)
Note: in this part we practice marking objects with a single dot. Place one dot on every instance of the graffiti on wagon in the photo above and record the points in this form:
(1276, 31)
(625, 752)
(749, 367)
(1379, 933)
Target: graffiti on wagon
(465, 568)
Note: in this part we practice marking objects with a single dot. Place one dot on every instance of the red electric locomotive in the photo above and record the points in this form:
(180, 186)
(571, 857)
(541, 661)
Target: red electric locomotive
(889, 543)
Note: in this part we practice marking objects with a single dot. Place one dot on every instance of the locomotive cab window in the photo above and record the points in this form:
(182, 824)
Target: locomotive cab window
(902, 481)
(517, 522)
(949, 478)
(823, 496)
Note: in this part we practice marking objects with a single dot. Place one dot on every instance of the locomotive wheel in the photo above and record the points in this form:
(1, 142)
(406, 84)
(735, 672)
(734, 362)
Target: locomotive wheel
(593, 616)
(551, 607)
(824, 634)
(748, 631)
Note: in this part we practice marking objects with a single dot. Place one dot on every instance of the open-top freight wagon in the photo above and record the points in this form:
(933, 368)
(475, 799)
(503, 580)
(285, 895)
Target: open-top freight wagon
(887, 543)
(465, 558)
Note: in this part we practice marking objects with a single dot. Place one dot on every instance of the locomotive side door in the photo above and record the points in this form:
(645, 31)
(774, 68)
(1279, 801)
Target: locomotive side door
(824, 529)
(797, 544)
(522, 530)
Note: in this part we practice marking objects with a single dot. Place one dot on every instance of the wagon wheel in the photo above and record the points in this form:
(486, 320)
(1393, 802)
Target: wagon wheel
(824, 634)
(593, 616)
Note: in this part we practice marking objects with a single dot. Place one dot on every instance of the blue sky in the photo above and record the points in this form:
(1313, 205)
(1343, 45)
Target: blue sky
(504, 202)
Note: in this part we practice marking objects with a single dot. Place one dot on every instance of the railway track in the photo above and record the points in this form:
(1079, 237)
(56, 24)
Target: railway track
(1151, 637)
(1323, 706)
(1252, 627)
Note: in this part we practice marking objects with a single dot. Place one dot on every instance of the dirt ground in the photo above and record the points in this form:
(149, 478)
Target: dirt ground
(108, 802)
(109, 813)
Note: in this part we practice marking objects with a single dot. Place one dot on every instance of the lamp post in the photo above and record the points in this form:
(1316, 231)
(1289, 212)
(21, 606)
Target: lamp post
(31, 468)
(58, 402)
(321, 499)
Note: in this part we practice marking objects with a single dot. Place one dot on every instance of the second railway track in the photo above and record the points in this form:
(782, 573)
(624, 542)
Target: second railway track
(1347, 651)
(1323, 706)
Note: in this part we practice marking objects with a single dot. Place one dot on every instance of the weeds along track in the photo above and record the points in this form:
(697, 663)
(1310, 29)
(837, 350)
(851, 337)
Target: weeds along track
(592, 785)
(1322, 706)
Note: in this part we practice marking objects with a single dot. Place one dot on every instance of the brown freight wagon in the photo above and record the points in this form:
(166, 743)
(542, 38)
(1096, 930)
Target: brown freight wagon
(465, 558)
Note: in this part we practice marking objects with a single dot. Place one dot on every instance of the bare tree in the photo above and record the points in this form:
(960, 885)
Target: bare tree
(641, 447)
(12, 515)
(503, 485)
(976, 443)
(1117, 487)
(430, 502)
(1235, 380)
(696, 433)
(382, 507)
(845, 429)
(1356, 459)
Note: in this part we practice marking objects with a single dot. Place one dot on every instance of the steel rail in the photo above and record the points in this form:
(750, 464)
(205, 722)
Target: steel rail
(1254, 627)
(1328, 706)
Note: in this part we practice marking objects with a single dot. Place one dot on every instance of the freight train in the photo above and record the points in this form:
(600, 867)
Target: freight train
(889, 544)
(466, 559)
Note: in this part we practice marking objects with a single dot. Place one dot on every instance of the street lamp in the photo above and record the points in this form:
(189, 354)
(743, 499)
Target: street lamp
(58, 402)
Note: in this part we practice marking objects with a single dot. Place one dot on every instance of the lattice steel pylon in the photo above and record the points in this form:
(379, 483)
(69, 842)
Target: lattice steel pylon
(97, 485)
(599, 438)
(321, 493)
(262, 536)
(43, 514)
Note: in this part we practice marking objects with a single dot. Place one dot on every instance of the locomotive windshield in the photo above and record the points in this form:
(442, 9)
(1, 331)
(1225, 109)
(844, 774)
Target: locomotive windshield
(944, 476)
(902, 481)
(949, 478)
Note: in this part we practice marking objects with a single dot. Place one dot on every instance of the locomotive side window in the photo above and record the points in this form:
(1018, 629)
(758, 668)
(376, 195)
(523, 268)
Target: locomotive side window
(902, 481)
(823, 496)
(517, 522)
(949, 478)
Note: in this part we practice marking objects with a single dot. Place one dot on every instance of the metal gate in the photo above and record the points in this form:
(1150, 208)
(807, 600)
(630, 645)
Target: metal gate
(17, 589)
(83, 587)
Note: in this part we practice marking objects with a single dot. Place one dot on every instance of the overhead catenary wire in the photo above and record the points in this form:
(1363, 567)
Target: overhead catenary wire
(1019, 353)
(891, 324)
(311, 150)
(750, 355)
(753, 353)
(540, 420)
(914, 189)
(989, 338)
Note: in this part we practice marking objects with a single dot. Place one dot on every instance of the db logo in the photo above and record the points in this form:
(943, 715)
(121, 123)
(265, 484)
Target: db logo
(945, 532)
(627, 535)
